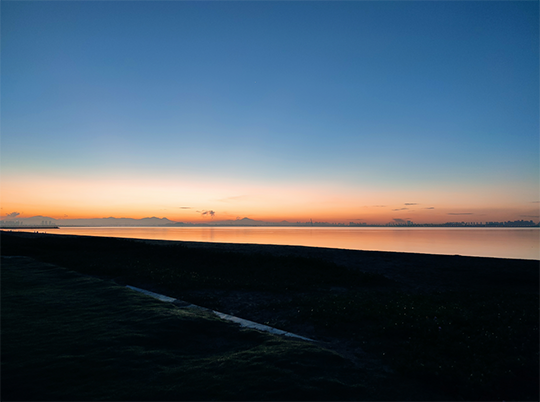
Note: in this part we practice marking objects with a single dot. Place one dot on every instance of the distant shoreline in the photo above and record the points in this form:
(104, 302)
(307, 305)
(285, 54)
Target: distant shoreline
(202, 225)
(246, 222)
(28, 227)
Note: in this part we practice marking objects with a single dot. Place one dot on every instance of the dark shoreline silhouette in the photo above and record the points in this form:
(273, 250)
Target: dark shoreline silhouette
(419, 314)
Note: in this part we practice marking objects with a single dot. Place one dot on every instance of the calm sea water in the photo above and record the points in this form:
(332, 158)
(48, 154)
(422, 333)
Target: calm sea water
(521, 243)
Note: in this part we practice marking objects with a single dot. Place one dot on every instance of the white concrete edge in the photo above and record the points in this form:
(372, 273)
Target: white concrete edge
(228, 317)
(260, 327)
(155, 295)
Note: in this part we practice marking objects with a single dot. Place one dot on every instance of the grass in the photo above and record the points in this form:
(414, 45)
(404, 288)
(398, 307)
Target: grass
(72, 337)
(479, 342)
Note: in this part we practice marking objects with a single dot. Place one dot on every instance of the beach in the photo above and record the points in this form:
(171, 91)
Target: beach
(408, 319)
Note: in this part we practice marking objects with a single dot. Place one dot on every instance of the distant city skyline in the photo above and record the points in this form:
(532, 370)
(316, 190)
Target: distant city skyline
(341, 112)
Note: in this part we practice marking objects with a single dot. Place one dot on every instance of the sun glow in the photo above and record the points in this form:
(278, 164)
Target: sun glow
(181, 199)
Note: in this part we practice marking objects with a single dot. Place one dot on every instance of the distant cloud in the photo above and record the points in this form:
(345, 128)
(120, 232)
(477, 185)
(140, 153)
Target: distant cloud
(535, 202)
(430, 208)
(379, 206)
(207, 213)
(12, 215)
(410, 203)
(400, 209)
(460, 213)
(184, 207)
(529, 216)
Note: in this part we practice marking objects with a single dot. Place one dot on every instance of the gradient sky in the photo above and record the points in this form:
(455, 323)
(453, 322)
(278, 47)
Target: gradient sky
(334, 111)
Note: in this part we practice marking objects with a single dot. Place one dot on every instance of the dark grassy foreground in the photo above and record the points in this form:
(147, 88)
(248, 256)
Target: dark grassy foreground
(468, 333)
(71, 337)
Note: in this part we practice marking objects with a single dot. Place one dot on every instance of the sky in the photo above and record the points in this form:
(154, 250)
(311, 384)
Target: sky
(355, 111)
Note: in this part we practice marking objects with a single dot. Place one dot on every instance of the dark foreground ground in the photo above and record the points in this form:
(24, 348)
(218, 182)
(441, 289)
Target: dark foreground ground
(389, 326)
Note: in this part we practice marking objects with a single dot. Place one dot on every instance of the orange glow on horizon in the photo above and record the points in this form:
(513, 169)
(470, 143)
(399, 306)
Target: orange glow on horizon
(186, 201)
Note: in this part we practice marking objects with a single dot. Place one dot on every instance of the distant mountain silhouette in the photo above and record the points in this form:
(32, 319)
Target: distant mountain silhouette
(110, 221)
(40, 220)
(151, 221)
(238, 222)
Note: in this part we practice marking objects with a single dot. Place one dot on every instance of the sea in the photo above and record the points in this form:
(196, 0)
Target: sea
(520, 243)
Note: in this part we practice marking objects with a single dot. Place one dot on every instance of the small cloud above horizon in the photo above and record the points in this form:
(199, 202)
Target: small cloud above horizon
(460, 213)
(207, 213)
(411, 203)
(12, 215)
(400, 209)
(185, 207)
(430, 208)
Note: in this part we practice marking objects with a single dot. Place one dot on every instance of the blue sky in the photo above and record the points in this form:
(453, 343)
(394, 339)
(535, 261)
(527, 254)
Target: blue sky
(382, 96)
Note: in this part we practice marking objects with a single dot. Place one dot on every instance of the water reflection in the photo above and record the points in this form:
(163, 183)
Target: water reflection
(485, 242)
